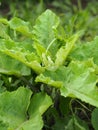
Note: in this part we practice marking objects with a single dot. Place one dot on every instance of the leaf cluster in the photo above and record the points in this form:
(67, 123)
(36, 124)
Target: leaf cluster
(49, 64)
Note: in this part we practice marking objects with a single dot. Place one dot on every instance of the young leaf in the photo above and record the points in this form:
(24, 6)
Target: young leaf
(64, 51)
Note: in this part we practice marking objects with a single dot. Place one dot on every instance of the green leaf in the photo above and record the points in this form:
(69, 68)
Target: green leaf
(40, 50)
(70, 123)
(60, 123)
(64, 105)
(20, 26)
(64, 51)
(94, 118)
(81, 83)
(11, 66)
(86, 51)
(4, 21)
(3, 31)
(78, 80)
(12, 112)
(15, 105)
(18, 51)
(35, 123)
(76, 124)
(39, 104)
(44, 30)
(51, 78)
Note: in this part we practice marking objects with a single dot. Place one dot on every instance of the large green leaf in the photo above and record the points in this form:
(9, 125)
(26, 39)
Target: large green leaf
(23, 50)
(18, 51)
(14, 106)
(78, 80)
(81, 83)
(12, 112)
(44, 30)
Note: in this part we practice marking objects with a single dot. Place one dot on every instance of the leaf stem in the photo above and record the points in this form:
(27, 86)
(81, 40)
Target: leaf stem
(50, 44)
